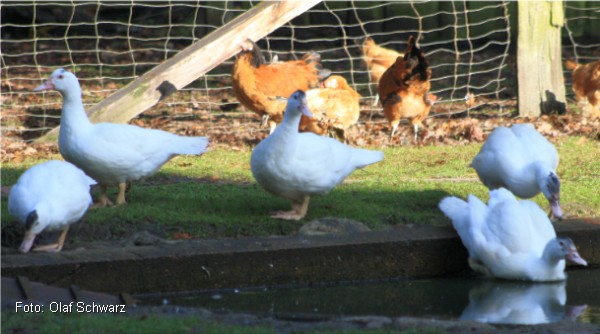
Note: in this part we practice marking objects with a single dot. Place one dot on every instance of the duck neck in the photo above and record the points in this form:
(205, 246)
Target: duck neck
(291, 121)
(286, 134)
(549, 267)
(550, 256)
(73, 117)
(542, 172)
(43, 211)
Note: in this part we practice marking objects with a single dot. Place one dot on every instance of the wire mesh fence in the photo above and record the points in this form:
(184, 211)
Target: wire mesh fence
(470, 47)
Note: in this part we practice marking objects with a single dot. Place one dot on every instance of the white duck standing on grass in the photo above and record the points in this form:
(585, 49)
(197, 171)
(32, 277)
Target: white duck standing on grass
(112, 154)
(49, 196)
(510, 239)
(521, 160)
(296, 165)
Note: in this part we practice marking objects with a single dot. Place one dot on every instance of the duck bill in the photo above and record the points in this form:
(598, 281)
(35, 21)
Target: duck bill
(574, 257)
(304, 110)
(575, 311)
(27, 242)
(555, 208)
(45, 86)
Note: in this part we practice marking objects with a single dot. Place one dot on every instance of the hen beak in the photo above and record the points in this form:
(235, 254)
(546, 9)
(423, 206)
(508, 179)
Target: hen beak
(27, 242)
(48, 85)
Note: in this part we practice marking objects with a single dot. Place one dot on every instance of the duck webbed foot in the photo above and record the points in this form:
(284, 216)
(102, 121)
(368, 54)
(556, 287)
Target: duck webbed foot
(299, 210)
(103, 201)
(54, 248)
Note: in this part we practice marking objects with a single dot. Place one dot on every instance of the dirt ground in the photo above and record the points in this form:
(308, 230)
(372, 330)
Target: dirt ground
(448, 124)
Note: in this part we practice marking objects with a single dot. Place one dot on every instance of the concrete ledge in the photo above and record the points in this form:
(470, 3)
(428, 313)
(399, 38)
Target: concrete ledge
(417, 251)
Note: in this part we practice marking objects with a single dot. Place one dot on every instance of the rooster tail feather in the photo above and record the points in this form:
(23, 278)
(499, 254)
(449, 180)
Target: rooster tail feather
(257, 56)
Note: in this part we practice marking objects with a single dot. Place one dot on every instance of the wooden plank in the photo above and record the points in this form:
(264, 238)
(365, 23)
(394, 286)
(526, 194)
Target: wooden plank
(192, 62)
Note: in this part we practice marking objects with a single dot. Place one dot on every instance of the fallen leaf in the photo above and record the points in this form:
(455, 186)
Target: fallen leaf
(182, 236)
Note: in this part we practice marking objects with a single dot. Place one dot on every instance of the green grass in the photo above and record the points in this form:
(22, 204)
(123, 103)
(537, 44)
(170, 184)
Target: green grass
(107, 323)
(159, 323)
(215, 196)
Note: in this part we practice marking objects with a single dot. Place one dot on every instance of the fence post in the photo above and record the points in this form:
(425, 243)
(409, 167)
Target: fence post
(539, 67)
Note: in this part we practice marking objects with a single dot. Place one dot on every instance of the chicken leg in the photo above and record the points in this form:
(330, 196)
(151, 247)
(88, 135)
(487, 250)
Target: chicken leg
(416, 130)
(299, 210)
(394, 128)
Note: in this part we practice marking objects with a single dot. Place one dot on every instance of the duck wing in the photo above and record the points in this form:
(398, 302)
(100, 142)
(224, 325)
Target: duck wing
(325, 162)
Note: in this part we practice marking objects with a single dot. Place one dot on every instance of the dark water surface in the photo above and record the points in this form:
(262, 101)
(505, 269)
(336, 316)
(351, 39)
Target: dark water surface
(472, 297)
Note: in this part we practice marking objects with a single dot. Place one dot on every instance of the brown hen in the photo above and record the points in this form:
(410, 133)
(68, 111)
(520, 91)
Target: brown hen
(404, 89)
(586, 86)
(378, 59)
(257, 85)
(335, 107)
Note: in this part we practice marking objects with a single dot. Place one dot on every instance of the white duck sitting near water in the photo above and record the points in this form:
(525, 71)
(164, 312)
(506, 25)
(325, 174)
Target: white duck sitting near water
(112, 154)
(296, 165)
(49, 196)
(521, 160)
(510, 239)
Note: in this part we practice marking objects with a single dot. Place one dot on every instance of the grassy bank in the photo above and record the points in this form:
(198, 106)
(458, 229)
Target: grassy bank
(93, 323)
(215, 195)
(152, 323)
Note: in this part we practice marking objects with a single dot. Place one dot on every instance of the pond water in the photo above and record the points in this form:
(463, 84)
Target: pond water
(472, 298)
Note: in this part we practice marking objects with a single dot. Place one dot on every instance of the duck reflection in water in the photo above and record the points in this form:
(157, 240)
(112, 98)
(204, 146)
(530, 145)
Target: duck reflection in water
(520, 303)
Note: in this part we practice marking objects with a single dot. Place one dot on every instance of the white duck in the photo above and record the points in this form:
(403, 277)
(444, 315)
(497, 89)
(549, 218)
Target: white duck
(297, 165)
(112, 154)
(521, 160)
(49, 196)
(510, 239)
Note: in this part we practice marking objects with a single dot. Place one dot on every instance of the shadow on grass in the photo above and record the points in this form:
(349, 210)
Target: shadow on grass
(167, 205)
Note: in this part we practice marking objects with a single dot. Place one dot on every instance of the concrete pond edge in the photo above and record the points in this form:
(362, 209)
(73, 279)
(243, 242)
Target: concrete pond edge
(410, 251)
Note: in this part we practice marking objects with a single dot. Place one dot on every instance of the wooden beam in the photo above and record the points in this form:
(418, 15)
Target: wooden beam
(192, 62)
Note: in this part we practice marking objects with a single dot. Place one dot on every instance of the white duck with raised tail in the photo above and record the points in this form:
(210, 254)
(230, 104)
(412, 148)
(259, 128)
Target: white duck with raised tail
(521, 160)
(296, 165)
(112, 154)
(510, 239)
(49, 196)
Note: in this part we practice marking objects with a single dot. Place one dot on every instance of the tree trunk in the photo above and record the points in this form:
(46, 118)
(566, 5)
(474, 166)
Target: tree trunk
(540, 75)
